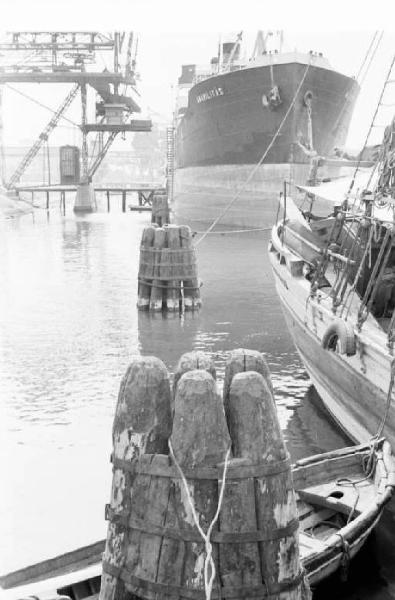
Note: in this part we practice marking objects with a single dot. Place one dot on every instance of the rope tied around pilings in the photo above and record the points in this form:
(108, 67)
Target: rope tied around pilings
(208, 561)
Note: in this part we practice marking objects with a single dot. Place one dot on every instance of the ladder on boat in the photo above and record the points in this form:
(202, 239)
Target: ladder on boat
(170, 139)
(43, 137)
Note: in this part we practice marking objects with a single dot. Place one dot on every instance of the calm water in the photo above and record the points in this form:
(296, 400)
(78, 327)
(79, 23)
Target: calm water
(68, 327)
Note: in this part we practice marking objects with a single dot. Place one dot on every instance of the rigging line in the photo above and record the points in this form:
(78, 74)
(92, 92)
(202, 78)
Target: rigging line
(356, 78)
(40, 104)
(366, 55)
(351, 292)
(371, 58)
(252, 172)
(370, 129)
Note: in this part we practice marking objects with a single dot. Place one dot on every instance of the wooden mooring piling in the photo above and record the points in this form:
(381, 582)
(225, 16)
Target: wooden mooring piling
(202, 501)
(167, 277)
(160, 214)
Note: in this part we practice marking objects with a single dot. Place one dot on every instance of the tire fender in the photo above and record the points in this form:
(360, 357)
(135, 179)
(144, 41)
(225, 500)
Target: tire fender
(343, 332)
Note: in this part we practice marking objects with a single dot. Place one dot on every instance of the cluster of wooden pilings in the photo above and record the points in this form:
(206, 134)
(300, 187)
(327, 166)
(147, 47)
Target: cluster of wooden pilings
(197, 475)
(168, 270)
(160, 213)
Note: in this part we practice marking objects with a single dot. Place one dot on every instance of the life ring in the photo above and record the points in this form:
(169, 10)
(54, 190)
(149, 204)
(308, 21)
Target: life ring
(340, 334)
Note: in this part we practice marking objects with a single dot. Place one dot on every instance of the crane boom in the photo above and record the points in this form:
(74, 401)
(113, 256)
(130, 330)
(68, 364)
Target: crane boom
(101, 154)
(43, 137)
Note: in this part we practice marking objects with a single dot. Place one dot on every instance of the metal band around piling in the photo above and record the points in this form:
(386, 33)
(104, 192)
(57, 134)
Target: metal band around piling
(239, 471)
(186, 535)
(259, 591)
(167, 286)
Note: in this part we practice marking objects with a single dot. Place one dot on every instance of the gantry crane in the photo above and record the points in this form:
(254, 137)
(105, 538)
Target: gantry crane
(43, 137)
(70, 57)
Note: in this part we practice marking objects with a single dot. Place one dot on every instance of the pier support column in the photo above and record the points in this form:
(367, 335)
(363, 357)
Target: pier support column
(85, 200)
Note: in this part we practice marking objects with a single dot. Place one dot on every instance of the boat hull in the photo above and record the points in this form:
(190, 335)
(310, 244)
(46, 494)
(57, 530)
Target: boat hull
(346, 394)
(226, 121)
(226, 132)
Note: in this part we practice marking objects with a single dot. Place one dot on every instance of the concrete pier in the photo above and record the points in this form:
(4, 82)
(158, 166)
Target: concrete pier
(85, 199)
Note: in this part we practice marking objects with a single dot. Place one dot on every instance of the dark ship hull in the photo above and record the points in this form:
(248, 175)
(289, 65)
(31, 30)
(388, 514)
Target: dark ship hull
(226, 128)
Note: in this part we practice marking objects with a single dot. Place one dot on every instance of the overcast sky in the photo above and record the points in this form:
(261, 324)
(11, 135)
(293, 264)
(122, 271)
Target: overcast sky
(176, 32)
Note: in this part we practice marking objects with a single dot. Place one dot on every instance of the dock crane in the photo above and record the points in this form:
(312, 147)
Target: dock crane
(42, 138)
(70, 57)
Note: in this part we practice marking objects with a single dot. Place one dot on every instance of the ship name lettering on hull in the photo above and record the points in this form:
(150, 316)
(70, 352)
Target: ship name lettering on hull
(213, 93)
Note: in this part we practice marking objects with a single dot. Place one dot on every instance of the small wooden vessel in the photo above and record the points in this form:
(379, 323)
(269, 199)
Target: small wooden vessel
(340, 497)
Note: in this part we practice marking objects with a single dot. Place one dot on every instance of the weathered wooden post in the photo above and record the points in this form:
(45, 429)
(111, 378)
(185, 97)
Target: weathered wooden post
(171, 270)
(199, 439)
(158, 286)
(257, 440)
(146, 268)
(190, 284)
(176, 510)
(241, 360)
(142, 424)
(160, 208)
(154, 209)
(191, 361)
(166, 267)
(165, 554)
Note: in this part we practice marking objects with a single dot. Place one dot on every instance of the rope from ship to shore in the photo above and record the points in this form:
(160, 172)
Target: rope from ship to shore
(233, 231)
(264, 155)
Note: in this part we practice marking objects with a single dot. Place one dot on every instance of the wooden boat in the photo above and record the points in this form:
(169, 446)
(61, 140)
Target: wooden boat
(335, 276)
(340, 498)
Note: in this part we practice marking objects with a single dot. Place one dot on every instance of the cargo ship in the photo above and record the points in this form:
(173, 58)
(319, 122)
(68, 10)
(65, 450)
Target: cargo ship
(287, 107)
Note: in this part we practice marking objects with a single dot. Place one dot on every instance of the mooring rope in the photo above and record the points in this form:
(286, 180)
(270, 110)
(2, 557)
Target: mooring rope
(230, 231)
(255, 168)
(208, 561)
